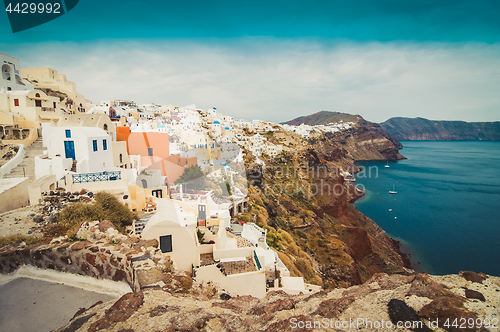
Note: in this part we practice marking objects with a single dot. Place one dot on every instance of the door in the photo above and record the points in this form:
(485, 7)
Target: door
(166, 243)
(69, 149)
(157, 193)
(202, 215)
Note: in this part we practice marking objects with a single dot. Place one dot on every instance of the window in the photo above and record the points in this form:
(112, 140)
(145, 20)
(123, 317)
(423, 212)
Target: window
(105, 127)
(68, 133)
(38, 103)
(94, 144)
(166, 243)
(37, 95)
(104, 144)
(121, 158)
(55, 105)
(150, 152)
(16, 102)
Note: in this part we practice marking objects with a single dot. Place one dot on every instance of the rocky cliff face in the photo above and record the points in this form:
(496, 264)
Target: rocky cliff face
(383, 303)
(303, 200)
(423, 129)
(365, 141)
(323, 118)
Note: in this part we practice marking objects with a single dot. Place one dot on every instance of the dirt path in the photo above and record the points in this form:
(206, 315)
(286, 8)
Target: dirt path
(19, 221)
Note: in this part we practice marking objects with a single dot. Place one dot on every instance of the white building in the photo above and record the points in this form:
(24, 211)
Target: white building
(10, 79)
(77, 149)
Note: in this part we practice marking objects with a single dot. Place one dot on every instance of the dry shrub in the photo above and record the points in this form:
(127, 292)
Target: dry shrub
(105, 207)
(184, 282)
(9, 239)
(305, 267)
(246, 217)
(167, 267)
(294, 272)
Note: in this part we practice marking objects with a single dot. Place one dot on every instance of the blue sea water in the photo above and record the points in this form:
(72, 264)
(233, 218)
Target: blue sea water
(446, 212)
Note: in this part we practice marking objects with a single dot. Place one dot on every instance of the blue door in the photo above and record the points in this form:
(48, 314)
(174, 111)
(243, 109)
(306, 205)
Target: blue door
(69, 149)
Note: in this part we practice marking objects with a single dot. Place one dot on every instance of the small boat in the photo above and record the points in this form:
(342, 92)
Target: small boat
(387, 164)
(393, 191)
(390, 210)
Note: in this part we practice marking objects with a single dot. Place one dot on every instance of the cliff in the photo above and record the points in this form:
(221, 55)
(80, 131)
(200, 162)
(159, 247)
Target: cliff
(302, 198)
(365, 135)
(430, 130)
(382, 303)
(323, 118)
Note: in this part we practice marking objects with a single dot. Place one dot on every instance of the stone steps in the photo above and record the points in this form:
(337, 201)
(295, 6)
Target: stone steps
(27, 167)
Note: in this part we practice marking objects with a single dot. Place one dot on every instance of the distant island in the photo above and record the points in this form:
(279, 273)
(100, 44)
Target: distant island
(431, 130)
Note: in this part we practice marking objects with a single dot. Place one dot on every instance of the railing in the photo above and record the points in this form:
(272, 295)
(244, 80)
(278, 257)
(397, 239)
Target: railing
(97, 177)
(48, 109)
(257, 260)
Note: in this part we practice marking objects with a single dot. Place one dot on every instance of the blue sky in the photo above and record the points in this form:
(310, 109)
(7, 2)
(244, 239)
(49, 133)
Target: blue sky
(279, 59)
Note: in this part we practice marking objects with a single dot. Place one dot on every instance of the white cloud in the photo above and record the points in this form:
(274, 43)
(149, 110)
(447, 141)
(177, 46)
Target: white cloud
(279, 80)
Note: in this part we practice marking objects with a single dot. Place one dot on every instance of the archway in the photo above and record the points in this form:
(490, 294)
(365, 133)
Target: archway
(6, 72)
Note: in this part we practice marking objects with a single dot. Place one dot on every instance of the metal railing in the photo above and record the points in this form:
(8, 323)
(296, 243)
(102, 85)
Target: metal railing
(48, 109)
(97, 177)
(257, 260)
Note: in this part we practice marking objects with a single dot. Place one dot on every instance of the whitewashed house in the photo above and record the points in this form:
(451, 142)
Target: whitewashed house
(77, 158)
(174, 226)
(76, 149)
(10, 78)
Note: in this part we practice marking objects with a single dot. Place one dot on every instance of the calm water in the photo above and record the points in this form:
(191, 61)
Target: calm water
(447, 208)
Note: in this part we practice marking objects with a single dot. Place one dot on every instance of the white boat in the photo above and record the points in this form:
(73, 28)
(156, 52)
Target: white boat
(393, 191)
(387, 164)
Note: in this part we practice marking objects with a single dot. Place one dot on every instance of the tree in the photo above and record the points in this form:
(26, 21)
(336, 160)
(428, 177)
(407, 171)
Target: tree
(192, 177)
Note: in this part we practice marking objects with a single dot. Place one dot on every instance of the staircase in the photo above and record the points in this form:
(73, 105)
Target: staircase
(27, 166)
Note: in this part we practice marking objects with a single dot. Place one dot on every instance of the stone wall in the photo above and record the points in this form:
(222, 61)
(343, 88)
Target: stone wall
(104, 254)
(13, 193)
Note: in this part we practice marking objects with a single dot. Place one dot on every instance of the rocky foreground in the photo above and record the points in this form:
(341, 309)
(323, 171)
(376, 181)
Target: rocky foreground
(448, 301)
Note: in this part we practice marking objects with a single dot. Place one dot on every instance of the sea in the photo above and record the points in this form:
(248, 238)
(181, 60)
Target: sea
(446, 212)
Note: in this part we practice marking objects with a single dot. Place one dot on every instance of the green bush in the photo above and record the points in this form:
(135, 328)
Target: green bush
(109, 208)
(200, 235)
(105, 207)
(246, 217)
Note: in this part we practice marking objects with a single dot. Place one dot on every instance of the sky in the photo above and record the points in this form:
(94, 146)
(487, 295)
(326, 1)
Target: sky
(277, 60)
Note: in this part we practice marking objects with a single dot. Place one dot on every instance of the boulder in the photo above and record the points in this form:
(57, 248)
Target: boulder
(448, 310)
(120, 311)
(472, 294)
(473, 276)
(400, 312)
(105, 225)
(334, 307)
(278, 305)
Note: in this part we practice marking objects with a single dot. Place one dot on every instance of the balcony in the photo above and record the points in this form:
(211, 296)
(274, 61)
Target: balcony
(97, 177)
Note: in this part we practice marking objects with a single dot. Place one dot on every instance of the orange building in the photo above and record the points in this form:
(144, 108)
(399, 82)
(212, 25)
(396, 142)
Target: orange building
(172, 167)
(154, 151)
(144, 144)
